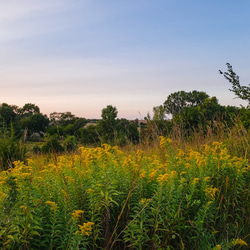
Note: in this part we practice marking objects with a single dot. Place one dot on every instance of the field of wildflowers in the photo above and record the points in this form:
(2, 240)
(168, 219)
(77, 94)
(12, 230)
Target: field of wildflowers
(159, 197)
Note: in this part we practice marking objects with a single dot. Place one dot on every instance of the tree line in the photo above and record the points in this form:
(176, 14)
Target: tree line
(191, 111)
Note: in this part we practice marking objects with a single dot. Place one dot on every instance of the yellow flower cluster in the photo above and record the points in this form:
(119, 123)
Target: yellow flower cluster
(144, 200)
(85, 229)
(239, 242)
(163, 178)
(77, 214)
(164, 141)
(211, 192)
(52, 204)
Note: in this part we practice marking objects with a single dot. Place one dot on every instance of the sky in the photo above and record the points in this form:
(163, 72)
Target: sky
(79, 56)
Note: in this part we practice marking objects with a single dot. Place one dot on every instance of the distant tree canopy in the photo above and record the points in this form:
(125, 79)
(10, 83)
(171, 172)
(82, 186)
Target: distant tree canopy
(178, 100)
(242, 92)
(159, 113)
(191, 110)
(195, 109)
(107, 124)
(7, 113)
(29, 109)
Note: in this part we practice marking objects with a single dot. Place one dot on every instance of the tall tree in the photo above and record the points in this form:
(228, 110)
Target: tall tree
(159, 113)
(63, 119)
(30, 109)
(7, 113)
(242, 92)
(107, 124)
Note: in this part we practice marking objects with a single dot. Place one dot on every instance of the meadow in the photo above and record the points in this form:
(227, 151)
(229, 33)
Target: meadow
(169, 194)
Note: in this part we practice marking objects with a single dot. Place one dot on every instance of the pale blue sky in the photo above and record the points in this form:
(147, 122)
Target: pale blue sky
(82, 55)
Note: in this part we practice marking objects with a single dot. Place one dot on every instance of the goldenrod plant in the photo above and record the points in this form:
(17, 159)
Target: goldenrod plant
(163, 196)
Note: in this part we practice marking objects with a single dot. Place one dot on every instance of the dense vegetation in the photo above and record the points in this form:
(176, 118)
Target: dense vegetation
(179, 183)
(170, 195)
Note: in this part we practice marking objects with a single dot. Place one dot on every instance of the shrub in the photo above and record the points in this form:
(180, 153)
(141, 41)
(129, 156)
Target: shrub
(52, 146)
(11, 149)
(71, 143)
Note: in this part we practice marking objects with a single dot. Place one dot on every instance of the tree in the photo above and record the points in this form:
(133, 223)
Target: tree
(127, 131)
(88, 135)
(62, 118)
(52, 146)
(175, 102)
(71, 143)
(34, 123)
(38, 123)
(133, 133)
(11, 149)
(181, 99)
(107, 124)
(159, 113)
(242, 92)
(109, 114)
(193, 118)
(30, 109)
(7, 113)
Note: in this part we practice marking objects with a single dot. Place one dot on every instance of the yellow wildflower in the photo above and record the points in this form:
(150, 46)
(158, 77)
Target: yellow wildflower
(53, 205)
(163, 178)
(24, 208)
(211, 192)
(152, 174)
(142, 174)
(1, 196)
(164, 141)
(25, 175)
(181, 153)
(207, 178)
(85, 229)
(196, 180)
(173, 174)
(239, 242)
(106, 147)
(144, 200)
(90, 191)
(77, 214)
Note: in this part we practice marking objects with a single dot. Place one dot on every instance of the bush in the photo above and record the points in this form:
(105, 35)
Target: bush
(52, 146)
(71, 143)
(11, 150)
(36, 149)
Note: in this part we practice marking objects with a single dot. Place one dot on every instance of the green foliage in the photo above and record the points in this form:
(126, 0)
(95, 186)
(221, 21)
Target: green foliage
(36, 149)
(242, 92)
(159, 113)
(11, 149)
(244, 114)
(177, 101)
(7, 114)
(126, 132)
(71, 143)
(107, 125)
(52, 146)
(29, 109)
(161, 197)
(34, 123)
(88, 135)
(55, 130)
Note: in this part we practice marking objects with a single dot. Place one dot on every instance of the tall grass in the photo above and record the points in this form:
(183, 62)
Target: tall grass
(172, 194)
